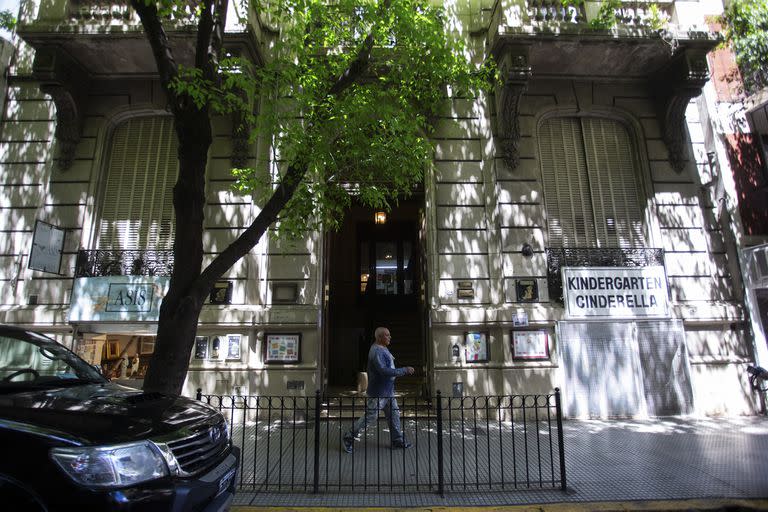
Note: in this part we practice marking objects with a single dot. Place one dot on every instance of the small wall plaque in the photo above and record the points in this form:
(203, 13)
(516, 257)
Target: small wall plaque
(221, 293)
(458, 389)
(285, 293)
(295, 384)
(466, 294)
(527, 290)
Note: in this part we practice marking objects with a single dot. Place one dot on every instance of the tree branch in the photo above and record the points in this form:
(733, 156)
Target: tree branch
(360, 63)
(204, 27)
(210, 37)
(251, 236)
(158, 40)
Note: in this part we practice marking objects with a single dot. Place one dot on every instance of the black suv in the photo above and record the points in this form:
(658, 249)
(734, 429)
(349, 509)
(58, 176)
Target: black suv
(71, 439)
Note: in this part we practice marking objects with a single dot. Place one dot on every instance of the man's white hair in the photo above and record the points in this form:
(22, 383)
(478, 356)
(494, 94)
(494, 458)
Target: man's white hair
(379, 332)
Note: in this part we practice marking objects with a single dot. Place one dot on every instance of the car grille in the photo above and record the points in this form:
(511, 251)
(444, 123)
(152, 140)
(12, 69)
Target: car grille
(201, 449)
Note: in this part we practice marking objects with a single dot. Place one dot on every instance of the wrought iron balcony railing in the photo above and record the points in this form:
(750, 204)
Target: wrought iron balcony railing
(557, 258)
(105, 11)
(102, 263)
(637, 13)
(554, 10)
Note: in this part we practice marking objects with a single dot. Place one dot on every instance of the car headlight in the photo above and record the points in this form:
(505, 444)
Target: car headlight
(111, 466)
(227, 432)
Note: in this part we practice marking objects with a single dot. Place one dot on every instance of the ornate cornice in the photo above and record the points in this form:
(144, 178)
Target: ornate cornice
(515, 73)
(65, 82)
(675, 86)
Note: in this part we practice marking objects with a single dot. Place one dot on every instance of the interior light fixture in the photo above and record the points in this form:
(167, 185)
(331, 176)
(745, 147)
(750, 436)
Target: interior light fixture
(380, 217)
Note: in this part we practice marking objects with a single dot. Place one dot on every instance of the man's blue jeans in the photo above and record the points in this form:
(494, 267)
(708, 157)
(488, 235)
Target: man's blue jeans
(372, 407)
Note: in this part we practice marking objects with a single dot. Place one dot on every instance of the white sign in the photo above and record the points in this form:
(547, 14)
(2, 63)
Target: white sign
(520, 319)
(615, 292)
(117, 298)
(47, 244)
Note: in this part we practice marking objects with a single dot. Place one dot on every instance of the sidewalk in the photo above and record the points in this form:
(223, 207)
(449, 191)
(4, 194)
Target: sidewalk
(720, 462)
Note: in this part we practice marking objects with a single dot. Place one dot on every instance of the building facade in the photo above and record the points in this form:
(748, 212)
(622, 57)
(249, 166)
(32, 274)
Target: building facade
(570, 233)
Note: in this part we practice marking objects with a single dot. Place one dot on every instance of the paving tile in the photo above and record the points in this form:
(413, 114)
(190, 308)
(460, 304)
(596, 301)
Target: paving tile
(665, 459)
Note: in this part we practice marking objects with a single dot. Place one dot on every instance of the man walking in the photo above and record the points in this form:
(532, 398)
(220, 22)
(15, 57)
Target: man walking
(381, 389)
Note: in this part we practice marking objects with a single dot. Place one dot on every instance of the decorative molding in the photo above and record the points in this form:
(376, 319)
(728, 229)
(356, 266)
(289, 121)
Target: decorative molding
(64, 82)
(675, 86)
(515, 72)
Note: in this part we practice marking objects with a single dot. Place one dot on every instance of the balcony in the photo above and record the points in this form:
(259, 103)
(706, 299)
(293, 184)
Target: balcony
(572, 39)
(649, 43)
(105, 39)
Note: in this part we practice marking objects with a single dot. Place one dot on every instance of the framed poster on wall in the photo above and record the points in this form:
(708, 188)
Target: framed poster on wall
(233, 346)
(530, 344)
(284, 348)
(201, 347)
(113, 349)
(47, 247)
(476, 347)
(146, 346)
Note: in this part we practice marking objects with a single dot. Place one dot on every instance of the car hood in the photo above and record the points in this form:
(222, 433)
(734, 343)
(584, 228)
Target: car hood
(93, 414)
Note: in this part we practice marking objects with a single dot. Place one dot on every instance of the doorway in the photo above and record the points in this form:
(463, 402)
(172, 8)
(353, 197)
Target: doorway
(374, 277)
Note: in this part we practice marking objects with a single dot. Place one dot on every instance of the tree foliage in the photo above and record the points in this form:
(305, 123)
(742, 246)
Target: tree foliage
(7, 20)
(345, 97)
(746, 28)
(371, 140)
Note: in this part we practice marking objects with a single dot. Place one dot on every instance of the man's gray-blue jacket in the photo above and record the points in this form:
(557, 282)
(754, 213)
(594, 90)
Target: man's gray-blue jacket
(382, 371)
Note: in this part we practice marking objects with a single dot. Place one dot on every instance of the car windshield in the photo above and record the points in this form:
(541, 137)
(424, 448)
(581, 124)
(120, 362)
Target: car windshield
(33, 360)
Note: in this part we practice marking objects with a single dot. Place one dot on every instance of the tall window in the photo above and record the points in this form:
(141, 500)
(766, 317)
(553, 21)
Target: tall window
(137, 210)
(591, 188)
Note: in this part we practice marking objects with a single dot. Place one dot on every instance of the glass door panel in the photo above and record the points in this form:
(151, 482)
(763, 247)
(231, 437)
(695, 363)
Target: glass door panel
(386, 268)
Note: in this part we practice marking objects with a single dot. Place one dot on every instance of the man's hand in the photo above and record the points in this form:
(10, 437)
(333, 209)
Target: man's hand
(409, 370)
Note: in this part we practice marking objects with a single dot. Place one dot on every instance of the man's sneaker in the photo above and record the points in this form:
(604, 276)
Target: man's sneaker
(348, 442)
(402, 444)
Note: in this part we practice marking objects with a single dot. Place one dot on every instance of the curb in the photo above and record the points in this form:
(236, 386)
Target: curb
(722, 505)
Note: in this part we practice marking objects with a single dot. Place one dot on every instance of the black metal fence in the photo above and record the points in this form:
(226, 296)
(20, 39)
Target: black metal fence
(485, 443)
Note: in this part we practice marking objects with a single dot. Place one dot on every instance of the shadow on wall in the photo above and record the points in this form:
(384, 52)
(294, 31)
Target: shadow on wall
(751, 182)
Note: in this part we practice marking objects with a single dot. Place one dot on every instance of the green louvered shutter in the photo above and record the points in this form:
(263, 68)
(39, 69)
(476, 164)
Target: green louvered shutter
(137, 207)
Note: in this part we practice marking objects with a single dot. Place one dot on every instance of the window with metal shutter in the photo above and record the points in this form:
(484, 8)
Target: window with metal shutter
(137, 206)
(590, 183)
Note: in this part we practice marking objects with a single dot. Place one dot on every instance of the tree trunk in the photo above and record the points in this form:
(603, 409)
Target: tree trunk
(182, 304)
(168, 367)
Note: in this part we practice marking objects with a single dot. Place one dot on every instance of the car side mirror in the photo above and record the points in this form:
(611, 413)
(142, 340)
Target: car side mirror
(98, 368)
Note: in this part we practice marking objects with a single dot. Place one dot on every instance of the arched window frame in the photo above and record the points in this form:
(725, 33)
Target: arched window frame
(651, 230)
(99, 191)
